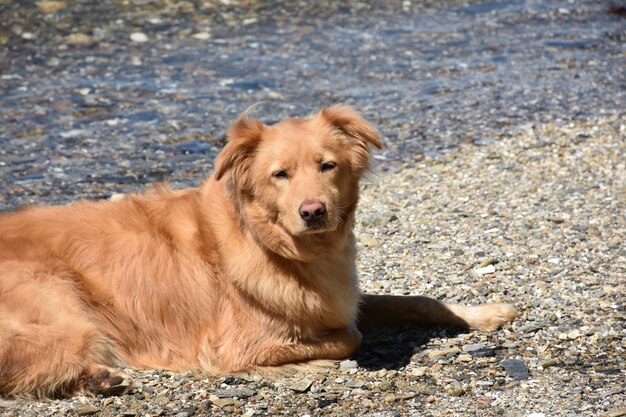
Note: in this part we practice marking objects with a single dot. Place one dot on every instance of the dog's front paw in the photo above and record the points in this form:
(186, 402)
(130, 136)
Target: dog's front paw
(106, 381)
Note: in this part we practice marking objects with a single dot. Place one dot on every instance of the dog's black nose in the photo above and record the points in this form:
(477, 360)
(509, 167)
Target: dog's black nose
(312, 211)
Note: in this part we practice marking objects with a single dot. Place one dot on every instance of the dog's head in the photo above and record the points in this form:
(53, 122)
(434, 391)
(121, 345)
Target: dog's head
(300, 175)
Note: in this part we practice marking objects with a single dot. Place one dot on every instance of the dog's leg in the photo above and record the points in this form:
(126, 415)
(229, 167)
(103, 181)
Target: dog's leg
(48, 347)
(391, 310)
(339, 344)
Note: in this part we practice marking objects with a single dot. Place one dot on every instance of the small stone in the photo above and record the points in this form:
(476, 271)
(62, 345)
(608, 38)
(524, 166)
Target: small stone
(443, 352)
(473, 347)
(83, 409)
(79, 39)
(574, 334)
(430, 399)
(138, 37)
(51, 6)
(348, 364)
(464, 358)
(408, 395)
(186, 7)
(484, 353)
(455, 389)
(234, 393)
(275, 95)
(489, 269)
(385, 386)
(515, 368)
(202, 36)
(511, 345)
(117, 196)
(390, 399)
(222, 402)
(421, 371)
(355, 384)
(486, 262)
(302, 385)
(485, 400)
(531, 328)
(379, 219)
(548, 362)
(369, 241)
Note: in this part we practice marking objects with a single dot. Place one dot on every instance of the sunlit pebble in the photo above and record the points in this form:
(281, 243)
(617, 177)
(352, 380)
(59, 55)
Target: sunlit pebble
(138, 37)
(51, 6)
(203, 36)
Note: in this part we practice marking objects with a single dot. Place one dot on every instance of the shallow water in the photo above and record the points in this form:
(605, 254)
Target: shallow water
(112, 114)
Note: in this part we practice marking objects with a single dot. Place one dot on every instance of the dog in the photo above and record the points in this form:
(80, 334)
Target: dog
(255, 268)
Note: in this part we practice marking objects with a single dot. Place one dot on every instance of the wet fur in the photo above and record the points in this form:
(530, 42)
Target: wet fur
(225, 277)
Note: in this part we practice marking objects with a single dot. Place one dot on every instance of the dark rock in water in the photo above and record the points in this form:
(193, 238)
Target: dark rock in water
(515, 368)
(194, 146)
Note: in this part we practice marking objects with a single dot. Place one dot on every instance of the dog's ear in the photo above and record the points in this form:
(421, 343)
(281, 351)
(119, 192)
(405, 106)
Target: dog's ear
(347, 121)
(243, 138)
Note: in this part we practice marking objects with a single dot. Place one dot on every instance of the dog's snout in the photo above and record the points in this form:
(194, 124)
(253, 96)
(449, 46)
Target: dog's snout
(312, 211)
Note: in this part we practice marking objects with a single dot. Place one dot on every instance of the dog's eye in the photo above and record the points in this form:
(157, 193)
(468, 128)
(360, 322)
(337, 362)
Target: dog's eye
(327, 166)
(280, 174)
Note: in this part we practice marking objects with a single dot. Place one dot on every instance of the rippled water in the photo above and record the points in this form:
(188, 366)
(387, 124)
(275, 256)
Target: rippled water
(116, 114)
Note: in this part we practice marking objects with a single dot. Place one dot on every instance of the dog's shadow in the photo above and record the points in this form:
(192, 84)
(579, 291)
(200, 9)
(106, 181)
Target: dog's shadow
(394, 348)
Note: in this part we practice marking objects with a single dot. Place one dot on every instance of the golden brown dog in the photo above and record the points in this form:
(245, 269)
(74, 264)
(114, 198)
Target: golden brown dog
(254, 268)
